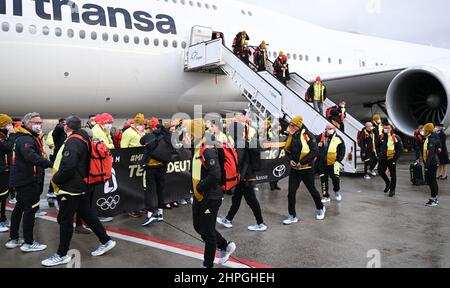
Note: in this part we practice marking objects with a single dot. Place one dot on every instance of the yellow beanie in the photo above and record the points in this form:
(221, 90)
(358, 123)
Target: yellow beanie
(139, 119)
(429, 128)
(297, 121)
(376, 117)
(5, 120)
(281, 54)
(263, 45)
(195, 127)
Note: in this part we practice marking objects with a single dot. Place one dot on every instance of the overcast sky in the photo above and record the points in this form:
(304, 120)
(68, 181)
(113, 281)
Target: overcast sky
(420, 21)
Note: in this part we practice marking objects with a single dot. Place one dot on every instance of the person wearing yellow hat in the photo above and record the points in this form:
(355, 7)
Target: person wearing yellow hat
(238, 42)
(260, 57)
(206, 178)
(431, 148)
(302, 150)
(7, 139)
(132, 136)
(317, 94)
(389, 148)
(377, 124)
(281, 68)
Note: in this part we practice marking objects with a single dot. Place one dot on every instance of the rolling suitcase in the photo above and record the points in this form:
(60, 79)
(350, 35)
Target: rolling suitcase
(416, 172)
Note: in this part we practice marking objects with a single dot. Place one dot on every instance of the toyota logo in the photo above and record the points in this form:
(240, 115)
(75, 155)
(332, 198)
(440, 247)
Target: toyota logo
(279, 171)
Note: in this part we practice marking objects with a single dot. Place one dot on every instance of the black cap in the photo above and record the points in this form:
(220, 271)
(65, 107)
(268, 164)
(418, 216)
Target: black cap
(73, 122)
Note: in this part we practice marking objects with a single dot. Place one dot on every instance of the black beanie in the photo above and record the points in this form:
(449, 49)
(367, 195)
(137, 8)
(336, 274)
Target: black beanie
(73, 122)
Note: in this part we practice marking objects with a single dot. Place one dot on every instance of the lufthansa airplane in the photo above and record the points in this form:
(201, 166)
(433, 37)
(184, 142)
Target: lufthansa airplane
(125, 56)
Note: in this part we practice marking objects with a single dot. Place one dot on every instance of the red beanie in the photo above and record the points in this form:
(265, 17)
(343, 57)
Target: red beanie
(104, 118)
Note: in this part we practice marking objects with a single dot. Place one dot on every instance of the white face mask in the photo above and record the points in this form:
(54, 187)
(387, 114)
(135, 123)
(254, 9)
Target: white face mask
(108, 127)
(422, 133)
(37, 128)
(9, 127)
(140, 128)
(386, 131)
(330, 132)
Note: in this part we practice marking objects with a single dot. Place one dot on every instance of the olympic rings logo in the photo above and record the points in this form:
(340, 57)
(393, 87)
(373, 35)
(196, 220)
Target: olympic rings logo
(109, 203)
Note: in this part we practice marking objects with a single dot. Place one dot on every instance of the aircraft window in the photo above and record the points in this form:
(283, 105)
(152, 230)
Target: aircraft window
(318, 58)
(199, 4)
(174, 1)
(126, 39)
(207, 6)
(32, 29)
(166, 43)
(289, 55)
(116, 38)
(136, 40)
(340, 61)
(156, 42)
(329, 60)
(250, 13)
(70, 33)
(146, 41)
(243, 12)
(94, 35)
(306, 58)
(5, 26)
(58, 32)
(363, 63)
(45, 30)
(183, 2)
(274, 54)
(175, 44)
(19, 28)
(183, 45)
(294, 56)
(376, 64)
(105, 36)
(300, 57)
(214, 7)
(191, 3)
(82, 34)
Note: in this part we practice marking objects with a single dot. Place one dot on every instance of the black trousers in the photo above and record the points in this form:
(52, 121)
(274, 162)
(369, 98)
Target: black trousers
(154, 176)
(273, 185)
(204, 216)
(247, 190)
(326, 173)
(297, 177)
(383, 166)
(50, 186)
(4, 193)
(370, 163)
(27, 205)
(432, 181)
(68, 206)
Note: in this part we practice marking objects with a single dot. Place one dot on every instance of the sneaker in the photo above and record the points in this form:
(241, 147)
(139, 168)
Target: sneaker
(290, 220)
(367, 177)
(3, 227)
(257, 228)
(225, 254)
(432, 203)
(320, 214)
(159, 218)
(388, 188)
(35, 247)
(105, 219)
(149, 221)
(326, 200)
(224, 222)
(392, 193)
(183, 202)
(175, 204)
(338, 196)
(12, 201)
(11, 244)
(373, 173)
(167, 206)
(40, 213)
(102, 249)
(51, 195)
(82, 230)
(56, 260)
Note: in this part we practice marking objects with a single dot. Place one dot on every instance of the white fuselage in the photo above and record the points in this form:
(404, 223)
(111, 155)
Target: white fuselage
(60, 75)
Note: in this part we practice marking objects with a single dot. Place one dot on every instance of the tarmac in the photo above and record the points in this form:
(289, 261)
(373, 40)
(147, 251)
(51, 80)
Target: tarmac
(366, 226)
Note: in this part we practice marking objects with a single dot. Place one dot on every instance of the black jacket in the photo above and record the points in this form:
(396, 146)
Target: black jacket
(434, 144)
(211, 176)
(59, 136)
(295, 148)
(366, 140)
(6, 147)
(249, 159)
(151, 140)
(323, 151)
(28, 163)
(74, 167)
(382, 147)
(419, 141)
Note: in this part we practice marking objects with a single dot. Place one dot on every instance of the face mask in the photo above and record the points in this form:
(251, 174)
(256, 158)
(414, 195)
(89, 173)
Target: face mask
(9, 127)
(422, 133)
(108, 127)
(330, 132)
(379, 121)
(387, 131)
(36, 128)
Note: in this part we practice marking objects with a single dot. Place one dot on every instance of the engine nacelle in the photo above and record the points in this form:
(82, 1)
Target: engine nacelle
(417, 96)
